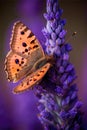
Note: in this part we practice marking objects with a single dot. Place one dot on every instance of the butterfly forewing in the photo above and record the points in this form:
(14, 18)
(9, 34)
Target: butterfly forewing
(23, 41)
(32, 79)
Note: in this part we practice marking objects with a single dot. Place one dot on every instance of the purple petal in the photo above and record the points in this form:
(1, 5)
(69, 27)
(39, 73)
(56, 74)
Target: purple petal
(58, 29)
(68, 47)
(53, 36)
(58, 41)
(62, 34)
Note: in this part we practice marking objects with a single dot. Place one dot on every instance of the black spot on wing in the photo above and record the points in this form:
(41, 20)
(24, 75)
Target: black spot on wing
(30, 80)
(34, 79)
(28, 83)
(22, 62)
(22, 58)
(26, 29)
(38, 75)
(41, 71)
(45, 67)
(35, 46)
(26, 50)
(30, 35)
(33, 41)
(17, 69)
(24, 44)
(22, 32)
(17, 61)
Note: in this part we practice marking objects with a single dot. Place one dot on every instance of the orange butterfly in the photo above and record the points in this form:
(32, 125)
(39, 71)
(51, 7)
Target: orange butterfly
(26, 59)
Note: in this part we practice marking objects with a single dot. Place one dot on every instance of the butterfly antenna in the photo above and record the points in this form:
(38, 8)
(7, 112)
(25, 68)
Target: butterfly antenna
(73, 34)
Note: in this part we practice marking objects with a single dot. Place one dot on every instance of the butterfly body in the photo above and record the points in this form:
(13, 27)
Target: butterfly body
(26, 59)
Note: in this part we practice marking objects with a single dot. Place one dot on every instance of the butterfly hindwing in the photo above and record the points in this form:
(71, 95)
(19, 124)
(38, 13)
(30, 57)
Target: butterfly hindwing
(13, 65)
(32, 79)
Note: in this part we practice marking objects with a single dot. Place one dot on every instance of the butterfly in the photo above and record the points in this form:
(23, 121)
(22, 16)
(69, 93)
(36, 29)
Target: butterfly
(26, 60)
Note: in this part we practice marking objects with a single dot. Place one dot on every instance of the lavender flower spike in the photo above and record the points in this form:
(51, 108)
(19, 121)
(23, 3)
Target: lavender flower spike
(58, 101)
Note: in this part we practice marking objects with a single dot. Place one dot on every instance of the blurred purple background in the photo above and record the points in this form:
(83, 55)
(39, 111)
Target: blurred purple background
(19, 112)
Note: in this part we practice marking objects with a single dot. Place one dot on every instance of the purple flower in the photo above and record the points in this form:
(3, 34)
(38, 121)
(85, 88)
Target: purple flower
(58, 101)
